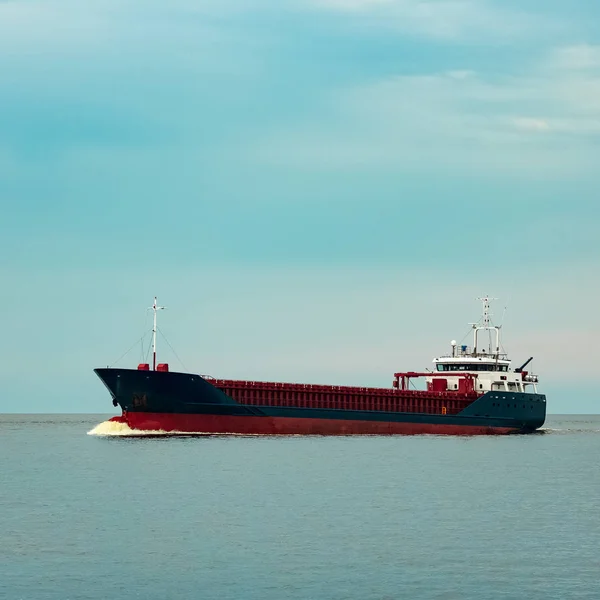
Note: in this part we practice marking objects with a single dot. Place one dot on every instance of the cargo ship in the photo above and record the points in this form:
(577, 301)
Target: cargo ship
(471, 390)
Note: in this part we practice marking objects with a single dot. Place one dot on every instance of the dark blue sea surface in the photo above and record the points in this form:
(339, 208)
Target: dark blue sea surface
(88, 517)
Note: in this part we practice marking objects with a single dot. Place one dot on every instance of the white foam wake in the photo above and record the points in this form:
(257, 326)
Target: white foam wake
(118, 429)
(567, 430)
(115, 428)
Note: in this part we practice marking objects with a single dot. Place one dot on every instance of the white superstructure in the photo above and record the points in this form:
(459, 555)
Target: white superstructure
(484, 363)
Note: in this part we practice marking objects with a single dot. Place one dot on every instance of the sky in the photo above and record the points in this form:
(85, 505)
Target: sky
(318, 190)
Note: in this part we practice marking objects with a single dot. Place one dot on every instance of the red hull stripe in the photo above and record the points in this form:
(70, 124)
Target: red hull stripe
(215, 424)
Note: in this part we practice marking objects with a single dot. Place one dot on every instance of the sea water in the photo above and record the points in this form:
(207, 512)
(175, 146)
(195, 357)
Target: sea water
(111, 515)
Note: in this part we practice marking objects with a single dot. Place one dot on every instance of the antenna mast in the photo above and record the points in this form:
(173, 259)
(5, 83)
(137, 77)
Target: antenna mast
(154, 308)
(486, 310)
(486, 326)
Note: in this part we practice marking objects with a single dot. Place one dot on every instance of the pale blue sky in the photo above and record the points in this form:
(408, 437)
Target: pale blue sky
(318, 189)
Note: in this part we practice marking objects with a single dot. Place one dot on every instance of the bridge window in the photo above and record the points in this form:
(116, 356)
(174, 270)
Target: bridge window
(458, 367)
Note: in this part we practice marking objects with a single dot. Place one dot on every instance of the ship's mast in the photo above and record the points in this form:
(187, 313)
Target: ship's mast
(486, 326)
(155, 309)
(486, 310)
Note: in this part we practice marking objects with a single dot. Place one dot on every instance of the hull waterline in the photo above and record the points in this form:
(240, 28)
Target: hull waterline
(230, 425)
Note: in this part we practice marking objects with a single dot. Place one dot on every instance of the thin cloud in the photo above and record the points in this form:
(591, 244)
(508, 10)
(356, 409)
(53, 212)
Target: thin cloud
(460, 74)
(580, 57)
(442, 19)
(531, 124)
(72, 26)
(456, 119)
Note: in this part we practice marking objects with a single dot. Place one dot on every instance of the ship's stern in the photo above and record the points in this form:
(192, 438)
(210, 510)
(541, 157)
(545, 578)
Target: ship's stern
(523, 412)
